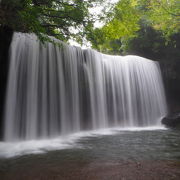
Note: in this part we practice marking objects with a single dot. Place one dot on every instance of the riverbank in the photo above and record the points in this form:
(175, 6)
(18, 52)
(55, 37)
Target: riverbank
(127, 170)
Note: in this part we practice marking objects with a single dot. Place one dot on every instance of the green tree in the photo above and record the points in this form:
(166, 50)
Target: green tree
(165, 15)
(121, 25)
(60, 18)
(129, 16)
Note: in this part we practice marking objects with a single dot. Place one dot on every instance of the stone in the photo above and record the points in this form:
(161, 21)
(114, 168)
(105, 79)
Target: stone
(172, 120)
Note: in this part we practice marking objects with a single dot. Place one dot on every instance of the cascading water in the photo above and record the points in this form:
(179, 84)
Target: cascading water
(55, 90)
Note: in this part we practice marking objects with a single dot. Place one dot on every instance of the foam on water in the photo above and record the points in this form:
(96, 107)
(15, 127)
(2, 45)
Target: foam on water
(13, 149)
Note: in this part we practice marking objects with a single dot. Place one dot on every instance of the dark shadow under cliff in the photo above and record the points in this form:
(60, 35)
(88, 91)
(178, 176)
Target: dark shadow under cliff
(5, 40)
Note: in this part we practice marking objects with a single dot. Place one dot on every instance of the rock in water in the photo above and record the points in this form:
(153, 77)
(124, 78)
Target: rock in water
(172, 120)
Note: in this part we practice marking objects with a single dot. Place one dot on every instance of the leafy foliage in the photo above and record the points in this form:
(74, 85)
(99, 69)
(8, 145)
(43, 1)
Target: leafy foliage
(129, 17)
(122, 24)
(165, 15)
(60, 18)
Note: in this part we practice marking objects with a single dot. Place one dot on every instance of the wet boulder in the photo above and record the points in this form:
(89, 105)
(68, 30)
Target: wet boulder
(172, 120)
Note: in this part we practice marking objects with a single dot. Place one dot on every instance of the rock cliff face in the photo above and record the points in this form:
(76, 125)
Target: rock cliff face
(5, 40)
(171, 76)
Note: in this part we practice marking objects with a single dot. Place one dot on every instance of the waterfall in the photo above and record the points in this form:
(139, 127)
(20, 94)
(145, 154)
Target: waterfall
(59, 89)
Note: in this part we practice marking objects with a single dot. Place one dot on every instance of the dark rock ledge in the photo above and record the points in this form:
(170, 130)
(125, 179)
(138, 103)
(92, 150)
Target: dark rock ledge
(172, 120)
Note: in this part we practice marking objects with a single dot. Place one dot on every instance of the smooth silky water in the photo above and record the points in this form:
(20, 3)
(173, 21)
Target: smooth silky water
(56, 90)
(67, 105)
